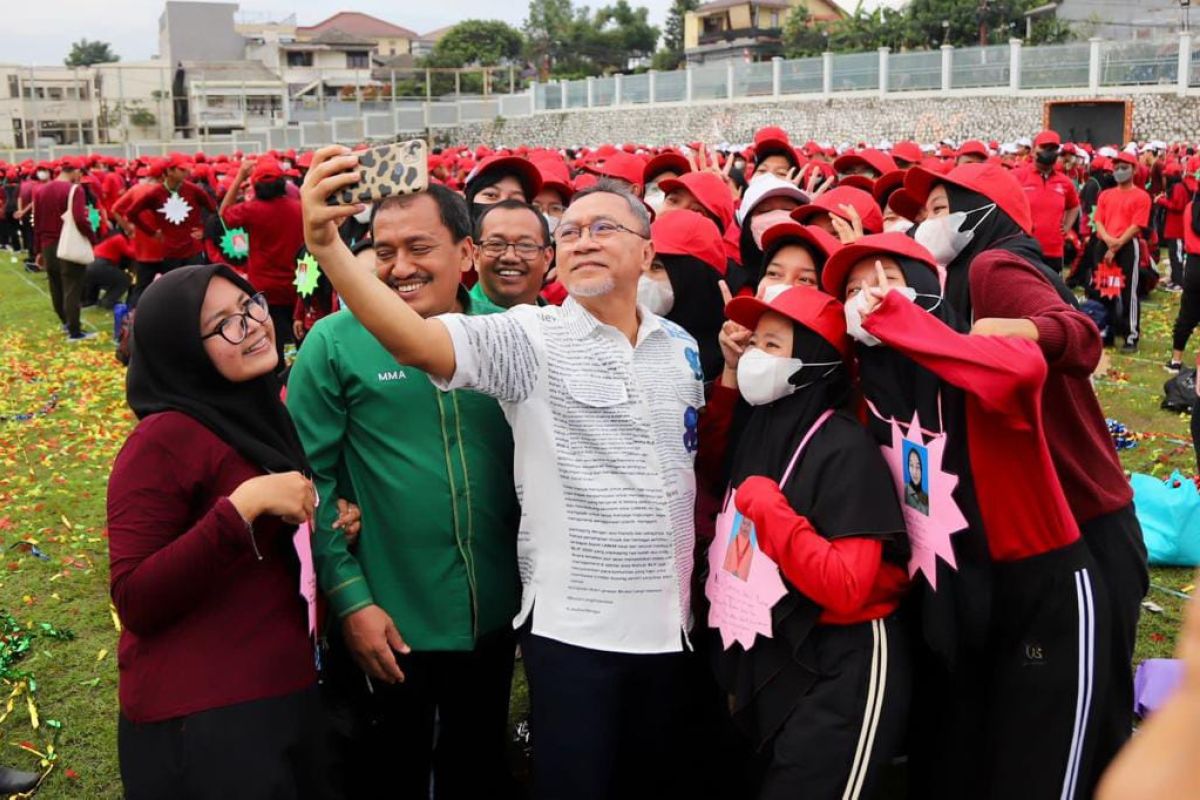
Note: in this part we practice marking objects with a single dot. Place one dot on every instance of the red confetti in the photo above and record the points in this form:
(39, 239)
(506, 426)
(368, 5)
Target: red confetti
(1157, 637)
(72, 774)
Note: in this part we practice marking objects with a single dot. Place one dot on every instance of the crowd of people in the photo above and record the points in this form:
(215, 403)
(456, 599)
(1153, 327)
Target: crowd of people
(778, 467)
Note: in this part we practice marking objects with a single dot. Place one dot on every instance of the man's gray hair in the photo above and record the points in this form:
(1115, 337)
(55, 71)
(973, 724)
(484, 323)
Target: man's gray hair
(620, 189)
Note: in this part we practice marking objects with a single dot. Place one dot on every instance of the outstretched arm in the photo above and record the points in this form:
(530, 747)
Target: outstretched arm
(411, 339)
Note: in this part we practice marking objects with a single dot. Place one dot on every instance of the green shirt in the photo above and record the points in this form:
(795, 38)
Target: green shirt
(482, 304)
(433, 475)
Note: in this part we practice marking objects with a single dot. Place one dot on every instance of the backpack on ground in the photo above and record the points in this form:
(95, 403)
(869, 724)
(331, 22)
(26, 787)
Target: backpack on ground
(1179, 393)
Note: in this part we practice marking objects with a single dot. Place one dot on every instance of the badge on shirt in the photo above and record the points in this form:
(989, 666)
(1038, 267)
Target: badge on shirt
(176, 209)
(743, 582)
(235, 244)
(307, 273)
(1109, 280)
(926, 497)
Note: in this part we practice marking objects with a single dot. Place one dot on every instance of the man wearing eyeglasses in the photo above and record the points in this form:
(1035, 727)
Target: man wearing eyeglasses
(423, 602)
(603, 404)
(512, 253)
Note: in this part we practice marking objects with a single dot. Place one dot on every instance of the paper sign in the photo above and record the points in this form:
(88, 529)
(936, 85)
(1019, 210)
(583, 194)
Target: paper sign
(1109, 280)
(308, 271)
(926, 498)
(743, 582)
(176, 209)
(302, 541)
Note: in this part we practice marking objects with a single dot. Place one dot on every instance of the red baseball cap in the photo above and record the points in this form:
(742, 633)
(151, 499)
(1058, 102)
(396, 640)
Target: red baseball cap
(665, 162)
(774, 141)
(555, 175)
(156, 167)
(857, 182)
(973, 147)
(689, 233)
(909, 152)
(177, 161)
(708, 189)
(1127, 158)
(831, 202)
(266, 169)
(837, 268)
(622, 166)
(988, 179)
(815, 310)
(877, 160)
(526, 172)
(1047, 138)
(70, 162)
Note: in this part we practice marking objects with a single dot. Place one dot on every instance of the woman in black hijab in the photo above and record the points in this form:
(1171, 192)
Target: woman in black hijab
(501, 178)
(815, 698)
(217, 680)
(950, 609)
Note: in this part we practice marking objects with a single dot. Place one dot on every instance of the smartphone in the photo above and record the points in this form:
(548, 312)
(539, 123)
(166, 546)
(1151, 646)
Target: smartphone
(387, 170)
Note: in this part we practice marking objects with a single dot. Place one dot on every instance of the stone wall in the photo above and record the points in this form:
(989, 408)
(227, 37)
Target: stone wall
(1156, 115)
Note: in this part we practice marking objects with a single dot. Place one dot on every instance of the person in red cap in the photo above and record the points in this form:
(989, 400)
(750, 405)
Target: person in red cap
(703, 192)
(906, 154)
(1045, 648)
(843, 211)
(37, 177)
(794, 254)
(272, 220)
(499, 178)
(555, 193)
(624, 167)
(814, 487)
(773, 152)
(1172, 201)
(1099, 178)
(1189, 303)
(147, 249)
(972, 151)
(682, 282)
(10, 228)
(1053, 201)
(179, 207)
(1122, 213)
(664, 166)
(66, 278)
(995, 276)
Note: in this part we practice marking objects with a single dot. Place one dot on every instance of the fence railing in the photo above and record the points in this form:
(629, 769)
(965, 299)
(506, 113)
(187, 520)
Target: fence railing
(1090, 67)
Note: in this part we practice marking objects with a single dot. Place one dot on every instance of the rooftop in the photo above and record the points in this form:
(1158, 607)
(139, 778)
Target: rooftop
(356, 23)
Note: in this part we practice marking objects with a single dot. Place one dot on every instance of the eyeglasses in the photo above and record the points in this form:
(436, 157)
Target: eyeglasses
(600, 229)
(256, 309)
(495, 248)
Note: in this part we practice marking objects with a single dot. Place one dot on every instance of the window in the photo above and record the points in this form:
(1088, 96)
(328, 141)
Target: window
(358, 59)
(14, 85)
(774, 19)
(55, 93)
(301, 59)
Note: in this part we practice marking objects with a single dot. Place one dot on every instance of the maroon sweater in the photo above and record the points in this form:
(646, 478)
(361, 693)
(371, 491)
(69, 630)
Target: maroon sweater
(178, 239)
(205, 624)
(49, 205)
(1005, 285)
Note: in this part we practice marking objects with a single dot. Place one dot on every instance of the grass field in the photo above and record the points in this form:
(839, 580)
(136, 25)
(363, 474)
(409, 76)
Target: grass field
(53, 473)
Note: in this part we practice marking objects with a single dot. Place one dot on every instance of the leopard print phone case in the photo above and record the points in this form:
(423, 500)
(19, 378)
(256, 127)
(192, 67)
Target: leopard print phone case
(387, 170)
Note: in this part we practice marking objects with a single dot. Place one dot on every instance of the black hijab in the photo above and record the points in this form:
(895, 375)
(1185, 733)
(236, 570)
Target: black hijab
(169, 371)
(842, 485)
(954, 619)
(752, 257)
(491, 177)
(995, 231)
(699, 307)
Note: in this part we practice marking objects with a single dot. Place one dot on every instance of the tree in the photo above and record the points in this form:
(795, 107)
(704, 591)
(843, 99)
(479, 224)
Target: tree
(548, 30)
(476, 42)
(85, 53)
(671, 56)
(801, 38)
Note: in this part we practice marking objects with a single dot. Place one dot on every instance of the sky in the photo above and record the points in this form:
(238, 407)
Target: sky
(42, 33)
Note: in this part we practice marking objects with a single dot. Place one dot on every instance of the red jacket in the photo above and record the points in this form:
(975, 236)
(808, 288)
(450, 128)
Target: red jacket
(1049, 200)
(1174, 202)
(1005, 285)
(205, 624)
(147, 248)
(1024, 510)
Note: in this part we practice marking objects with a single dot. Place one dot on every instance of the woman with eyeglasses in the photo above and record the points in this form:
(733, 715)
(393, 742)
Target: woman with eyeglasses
(217, 687)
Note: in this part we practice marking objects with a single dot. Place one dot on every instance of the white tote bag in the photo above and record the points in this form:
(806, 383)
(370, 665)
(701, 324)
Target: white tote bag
(73, 245)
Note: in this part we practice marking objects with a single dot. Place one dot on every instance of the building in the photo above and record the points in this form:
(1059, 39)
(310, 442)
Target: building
(388, 39)
(750, 30)
(423, 45)
(197, 31)
(1124, 20)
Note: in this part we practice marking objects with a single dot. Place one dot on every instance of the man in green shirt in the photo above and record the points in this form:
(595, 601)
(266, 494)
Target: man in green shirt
(425, 599)
(512, 254)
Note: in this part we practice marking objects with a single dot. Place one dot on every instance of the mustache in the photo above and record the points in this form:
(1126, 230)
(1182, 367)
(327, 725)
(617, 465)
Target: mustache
(420, 275)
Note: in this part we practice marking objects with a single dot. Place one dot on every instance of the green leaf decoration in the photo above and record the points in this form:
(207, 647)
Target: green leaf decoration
(93, 215)
(307, 273)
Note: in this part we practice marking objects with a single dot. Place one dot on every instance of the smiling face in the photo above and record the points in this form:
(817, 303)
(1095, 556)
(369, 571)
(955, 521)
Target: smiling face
(776, 165)
(417, 257)
(590, 267)
(255, 355)
(512, 278)
(938, 203)
(792, 265)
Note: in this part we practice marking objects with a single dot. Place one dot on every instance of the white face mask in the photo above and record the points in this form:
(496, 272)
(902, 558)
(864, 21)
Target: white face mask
(897, 226)
(364, 216)
(857, 304)
(42, 175)
(655, 198)
(763, 378)
(285, 165)
(658, 296)
(552, 222)
(943, 237)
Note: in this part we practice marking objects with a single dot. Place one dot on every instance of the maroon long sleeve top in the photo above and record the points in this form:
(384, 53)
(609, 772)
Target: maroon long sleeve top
(205, 623)
(1005, 285)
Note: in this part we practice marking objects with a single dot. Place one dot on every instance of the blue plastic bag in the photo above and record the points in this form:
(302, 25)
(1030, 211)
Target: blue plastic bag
(1170, 515)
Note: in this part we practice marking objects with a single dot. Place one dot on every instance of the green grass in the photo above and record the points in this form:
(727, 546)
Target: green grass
(53, 473)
